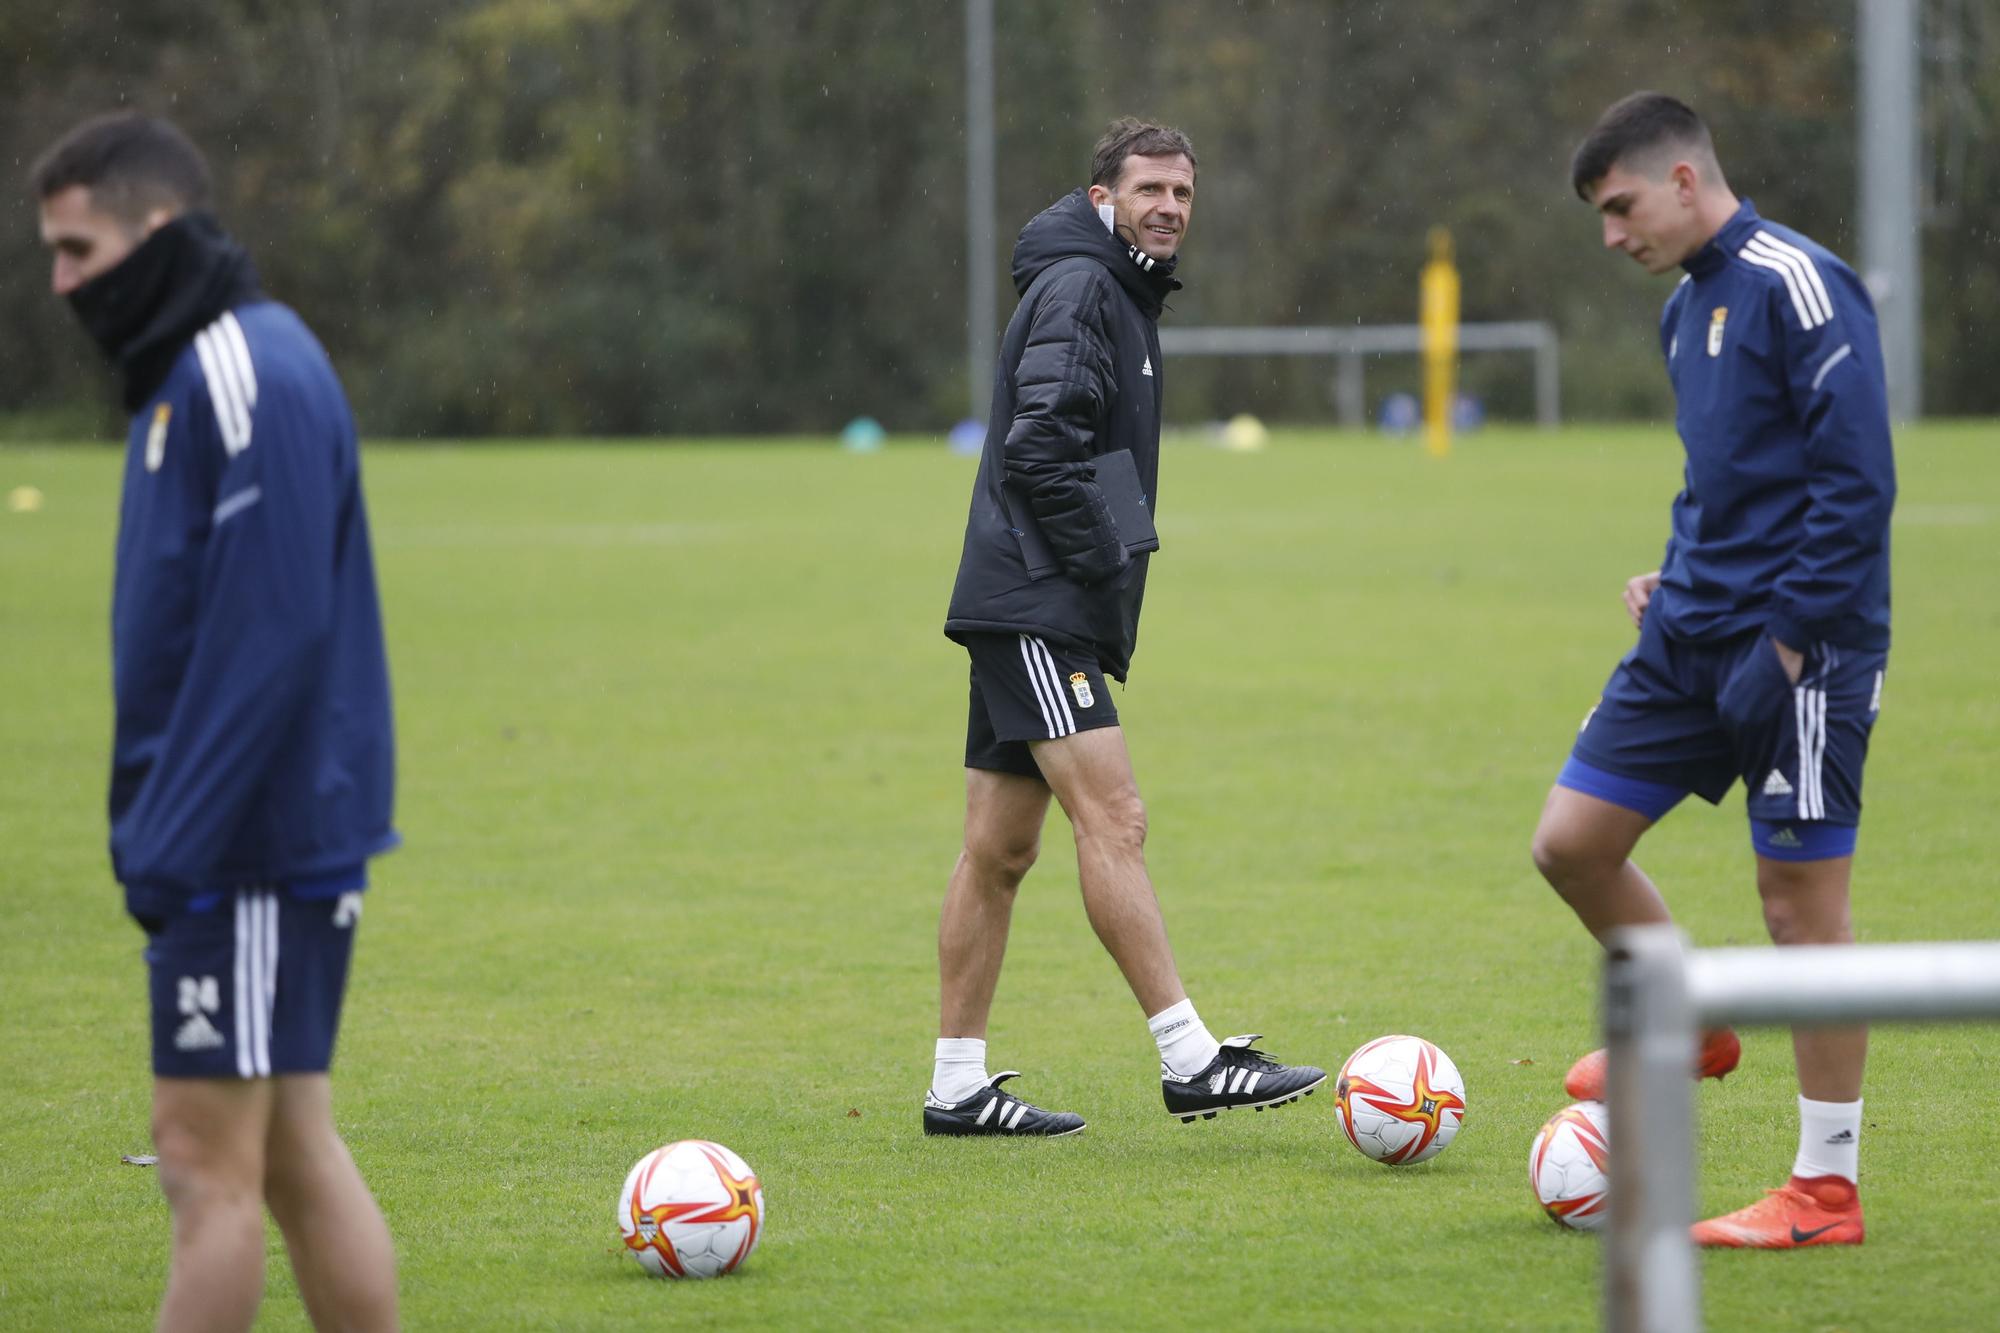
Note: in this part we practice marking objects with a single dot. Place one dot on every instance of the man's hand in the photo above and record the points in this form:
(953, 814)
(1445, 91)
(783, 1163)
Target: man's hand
(1791, 659)
(1639, 595)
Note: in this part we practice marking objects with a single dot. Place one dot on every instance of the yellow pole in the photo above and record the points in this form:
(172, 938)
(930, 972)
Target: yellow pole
(1438, 299)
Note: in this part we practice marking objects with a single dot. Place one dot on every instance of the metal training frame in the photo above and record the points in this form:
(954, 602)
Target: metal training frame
(1658, 995)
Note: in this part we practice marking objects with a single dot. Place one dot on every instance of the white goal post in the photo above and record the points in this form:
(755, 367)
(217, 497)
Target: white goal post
(1658, 994)
(1351, 343)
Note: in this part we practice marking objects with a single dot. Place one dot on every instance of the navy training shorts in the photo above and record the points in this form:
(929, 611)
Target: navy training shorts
(1024, 689)
(1679, 717)
(252, 986)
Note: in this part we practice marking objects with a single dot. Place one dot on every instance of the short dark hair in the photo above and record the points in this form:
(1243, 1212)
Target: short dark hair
(130, 162)
(1129, 135)
(1639, 126)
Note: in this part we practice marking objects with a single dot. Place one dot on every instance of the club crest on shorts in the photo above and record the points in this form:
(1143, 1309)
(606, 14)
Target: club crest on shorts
(1079, 685)
(1715, 323)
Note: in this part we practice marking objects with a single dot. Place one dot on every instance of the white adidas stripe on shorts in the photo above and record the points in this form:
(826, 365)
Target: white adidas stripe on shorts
(1046, 679)
(256, 981)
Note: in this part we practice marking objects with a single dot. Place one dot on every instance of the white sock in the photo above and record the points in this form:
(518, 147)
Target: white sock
(1829, 1140)
(961, 1068)
(1185, 1046)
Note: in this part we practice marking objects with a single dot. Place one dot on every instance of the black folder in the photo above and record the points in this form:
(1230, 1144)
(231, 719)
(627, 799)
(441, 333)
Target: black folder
(1118, 478)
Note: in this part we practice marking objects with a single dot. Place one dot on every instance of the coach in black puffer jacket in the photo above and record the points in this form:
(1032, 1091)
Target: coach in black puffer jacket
(1078, 377)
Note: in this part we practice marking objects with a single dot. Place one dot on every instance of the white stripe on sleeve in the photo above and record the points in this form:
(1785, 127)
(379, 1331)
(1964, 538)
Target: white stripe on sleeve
(239, 348)
(1800, 263)
(1846, 350)
(1809, 271)
(236, 504)
(1801, 278)
(230, 416)
(1807, 315)
(239, 392)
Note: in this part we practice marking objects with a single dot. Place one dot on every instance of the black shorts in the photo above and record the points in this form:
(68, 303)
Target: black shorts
(1027, 689)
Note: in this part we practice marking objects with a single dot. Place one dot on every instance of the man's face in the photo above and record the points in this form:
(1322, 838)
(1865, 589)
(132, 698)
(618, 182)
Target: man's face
(1651, 219)
(1151, 203)
(86, 240)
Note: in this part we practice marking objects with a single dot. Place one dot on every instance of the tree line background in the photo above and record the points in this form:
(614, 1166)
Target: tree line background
(736, 216)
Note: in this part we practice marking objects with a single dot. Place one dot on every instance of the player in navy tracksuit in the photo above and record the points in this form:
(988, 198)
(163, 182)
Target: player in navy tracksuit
(1764, 633)
(253, 764)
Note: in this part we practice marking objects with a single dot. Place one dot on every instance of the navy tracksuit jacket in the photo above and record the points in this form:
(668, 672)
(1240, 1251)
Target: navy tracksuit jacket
(253, 743)
(1783, 525)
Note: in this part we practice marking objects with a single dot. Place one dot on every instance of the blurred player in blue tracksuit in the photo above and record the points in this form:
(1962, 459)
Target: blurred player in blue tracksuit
(253, 763)
(1764, 633)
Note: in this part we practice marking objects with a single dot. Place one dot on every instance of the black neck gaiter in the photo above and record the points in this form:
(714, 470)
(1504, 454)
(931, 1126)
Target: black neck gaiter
(144, 311)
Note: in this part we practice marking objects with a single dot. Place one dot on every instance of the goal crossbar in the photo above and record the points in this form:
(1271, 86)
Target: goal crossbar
(1351, 343)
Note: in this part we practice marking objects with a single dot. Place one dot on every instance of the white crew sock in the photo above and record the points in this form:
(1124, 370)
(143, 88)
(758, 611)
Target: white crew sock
(961, 1068)
(1185, 1046)
(1829, 1140)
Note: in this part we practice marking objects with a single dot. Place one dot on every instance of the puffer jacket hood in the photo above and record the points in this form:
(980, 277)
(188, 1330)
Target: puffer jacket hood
(1070, 228)
(1078, 377)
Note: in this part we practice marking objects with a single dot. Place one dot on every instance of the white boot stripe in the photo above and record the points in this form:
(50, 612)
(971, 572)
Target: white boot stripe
(986, 1111)
(1251, 1086)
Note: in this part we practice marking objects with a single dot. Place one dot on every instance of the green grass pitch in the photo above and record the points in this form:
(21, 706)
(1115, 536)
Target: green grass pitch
(680, 782)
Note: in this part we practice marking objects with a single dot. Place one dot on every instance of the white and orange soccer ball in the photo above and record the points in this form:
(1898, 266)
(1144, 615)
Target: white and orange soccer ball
(691, 1209)
(1400, 1100)
(1569, 1165)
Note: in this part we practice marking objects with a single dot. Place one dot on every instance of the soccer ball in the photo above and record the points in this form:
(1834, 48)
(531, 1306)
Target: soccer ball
(1400, 1100)
(1569, 1166)
(691, 1209)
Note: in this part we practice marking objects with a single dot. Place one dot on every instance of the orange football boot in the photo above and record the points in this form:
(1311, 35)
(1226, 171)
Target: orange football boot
(1721, 1052)
(1823, 1210)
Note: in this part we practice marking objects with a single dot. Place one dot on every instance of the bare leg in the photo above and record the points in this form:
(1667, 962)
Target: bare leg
(1091, 775)
(1583, 847)
(209, 1133)
(339, 1244)
(1805, 902)
(1003, 834)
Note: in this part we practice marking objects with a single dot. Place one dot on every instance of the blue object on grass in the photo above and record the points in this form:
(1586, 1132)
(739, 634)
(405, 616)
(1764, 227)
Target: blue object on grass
(967, 437)
(1400, 414)
(862, 435)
